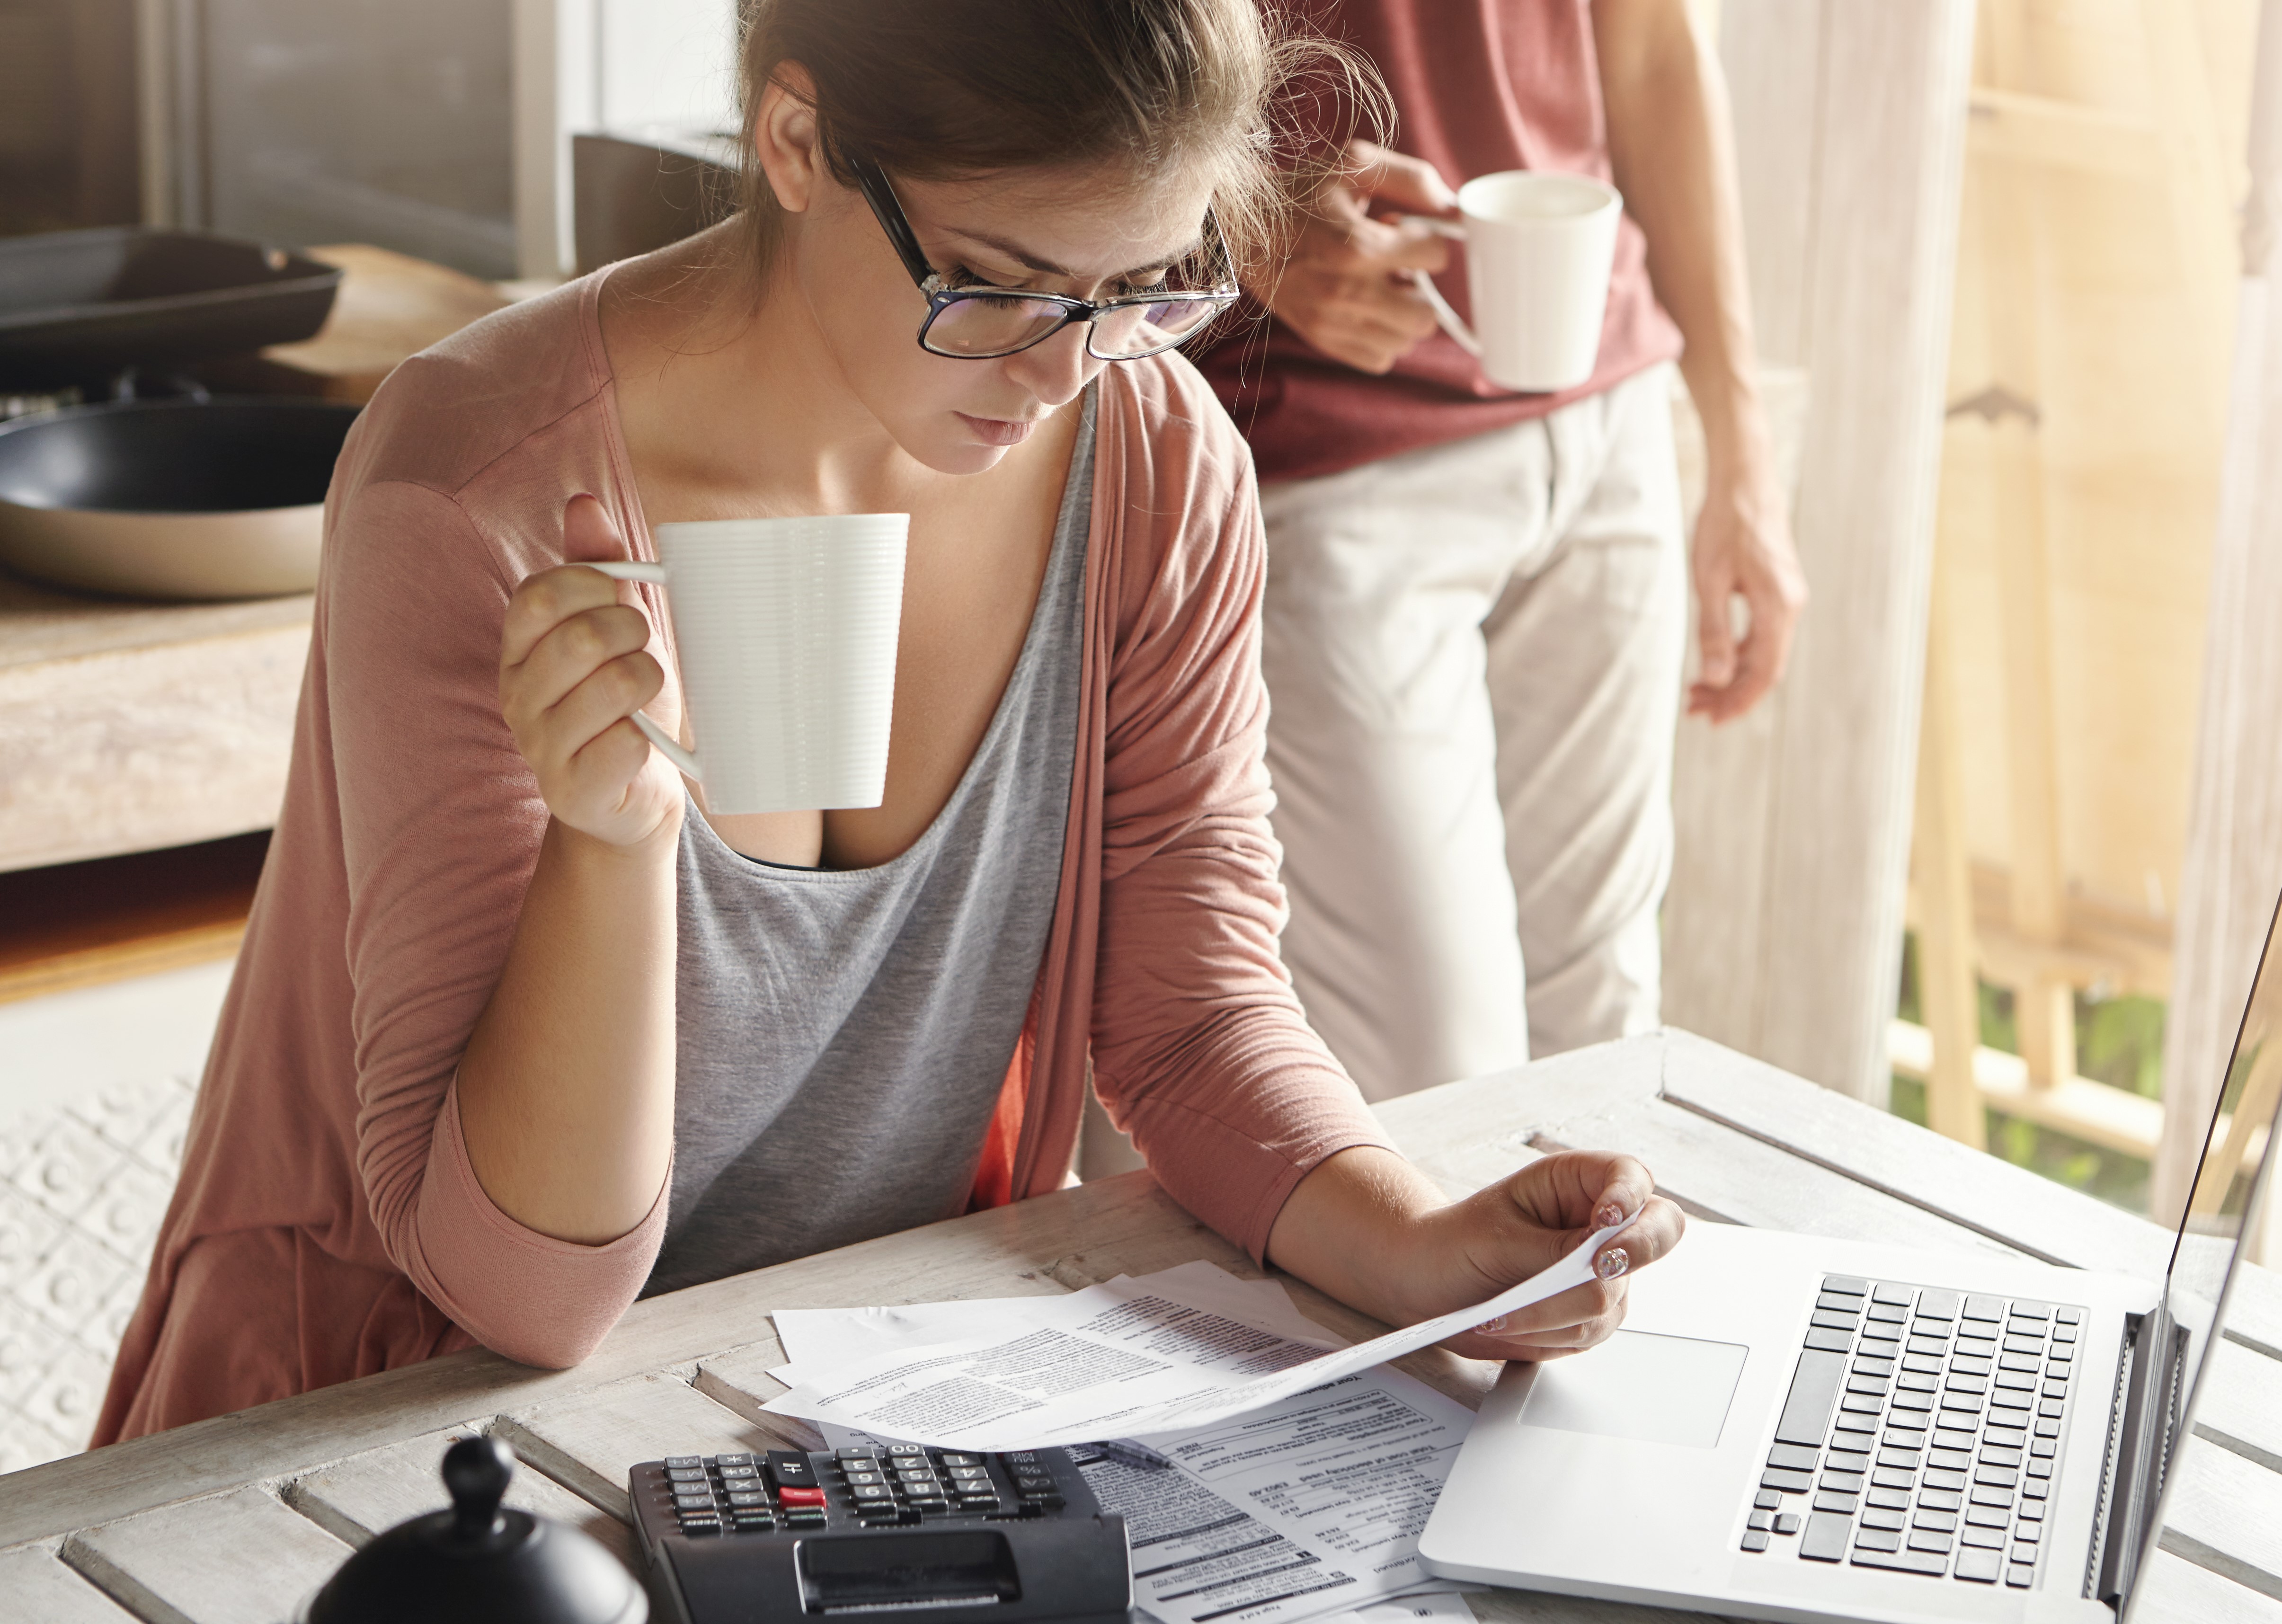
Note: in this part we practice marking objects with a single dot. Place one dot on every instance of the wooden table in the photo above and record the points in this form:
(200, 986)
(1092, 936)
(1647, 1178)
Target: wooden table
(233, 1520)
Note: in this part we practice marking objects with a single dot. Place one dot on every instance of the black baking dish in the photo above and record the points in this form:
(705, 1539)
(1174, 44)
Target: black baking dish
(80, 305)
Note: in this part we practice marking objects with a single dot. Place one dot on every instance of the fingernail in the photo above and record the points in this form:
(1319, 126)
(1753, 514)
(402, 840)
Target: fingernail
(1492, 1328)
(1612, 1263)
(1609, 1216)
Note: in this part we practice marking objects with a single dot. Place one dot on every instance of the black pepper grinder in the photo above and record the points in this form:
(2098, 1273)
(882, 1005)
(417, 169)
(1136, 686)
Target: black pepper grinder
(477, 1561)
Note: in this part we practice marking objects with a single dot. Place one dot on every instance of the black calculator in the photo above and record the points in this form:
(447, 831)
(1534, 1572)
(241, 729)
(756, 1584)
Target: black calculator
(800, 1534)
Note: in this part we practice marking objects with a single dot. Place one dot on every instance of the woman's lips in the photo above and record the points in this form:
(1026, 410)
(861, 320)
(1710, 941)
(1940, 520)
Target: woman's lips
(999, 430)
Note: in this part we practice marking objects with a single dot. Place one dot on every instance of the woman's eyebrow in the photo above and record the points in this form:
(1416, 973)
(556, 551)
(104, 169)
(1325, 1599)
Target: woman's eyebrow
(1029, 262)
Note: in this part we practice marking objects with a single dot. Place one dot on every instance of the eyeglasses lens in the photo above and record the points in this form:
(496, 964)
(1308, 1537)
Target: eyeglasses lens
(991, 325)
(1138, 330)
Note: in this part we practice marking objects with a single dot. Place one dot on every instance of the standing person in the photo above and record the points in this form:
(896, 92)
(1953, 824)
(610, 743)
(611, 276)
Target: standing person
(1475, 606)
(521, 1030)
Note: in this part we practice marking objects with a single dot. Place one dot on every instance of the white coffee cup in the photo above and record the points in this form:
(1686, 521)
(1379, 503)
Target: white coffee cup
(1538, 250)
(785, 631)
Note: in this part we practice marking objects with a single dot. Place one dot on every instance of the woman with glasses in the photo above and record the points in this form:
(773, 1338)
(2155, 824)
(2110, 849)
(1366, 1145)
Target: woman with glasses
(521, 1031)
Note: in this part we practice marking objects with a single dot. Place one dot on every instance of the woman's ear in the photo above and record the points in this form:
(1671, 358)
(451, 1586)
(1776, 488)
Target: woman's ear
(784, 138)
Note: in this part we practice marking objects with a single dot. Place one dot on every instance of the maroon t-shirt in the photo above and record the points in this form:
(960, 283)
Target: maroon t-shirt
(1479, 86)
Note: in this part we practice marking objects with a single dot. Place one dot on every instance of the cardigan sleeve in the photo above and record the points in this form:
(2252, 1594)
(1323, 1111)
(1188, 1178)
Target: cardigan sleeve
(1200, 1049)
(441, 820)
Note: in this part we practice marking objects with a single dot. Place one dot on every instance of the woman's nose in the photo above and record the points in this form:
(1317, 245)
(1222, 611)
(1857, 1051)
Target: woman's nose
(1057, 369)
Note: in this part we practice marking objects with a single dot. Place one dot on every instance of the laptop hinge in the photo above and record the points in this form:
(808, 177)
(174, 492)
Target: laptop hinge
(2101, 1564)
(2139, 1450)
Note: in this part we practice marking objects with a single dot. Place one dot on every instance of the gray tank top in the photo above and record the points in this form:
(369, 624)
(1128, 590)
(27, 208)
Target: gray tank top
(842, 1034)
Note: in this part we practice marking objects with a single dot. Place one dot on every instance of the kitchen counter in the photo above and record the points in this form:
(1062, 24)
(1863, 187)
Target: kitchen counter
(125, 727)
(234, 1520)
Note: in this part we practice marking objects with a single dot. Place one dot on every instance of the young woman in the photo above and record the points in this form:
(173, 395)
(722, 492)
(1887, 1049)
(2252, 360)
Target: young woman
(520, 1031)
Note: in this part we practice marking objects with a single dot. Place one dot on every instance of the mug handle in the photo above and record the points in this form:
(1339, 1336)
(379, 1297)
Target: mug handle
(1450, 320)
(651, 575)
(1452, 323)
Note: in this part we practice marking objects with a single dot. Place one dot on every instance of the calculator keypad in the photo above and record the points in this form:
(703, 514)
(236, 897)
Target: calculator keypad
(863, 1486)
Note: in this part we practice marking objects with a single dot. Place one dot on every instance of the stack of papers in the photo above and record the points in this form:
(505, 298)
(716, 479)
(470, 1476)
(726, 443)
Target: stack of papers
(1117, 1360)
(1305, 1504)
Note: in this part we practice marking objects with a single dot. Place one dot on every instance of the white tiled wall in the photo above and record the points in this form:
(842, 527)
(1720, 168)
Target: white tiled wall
(95, 1092)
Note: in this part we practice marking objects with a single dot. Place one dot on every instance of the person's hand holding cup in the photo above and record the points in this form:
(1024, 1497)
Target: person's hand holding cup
(1540, 248)
(573, 669)
(784, 631)
(1359, 282)
(1349, 285)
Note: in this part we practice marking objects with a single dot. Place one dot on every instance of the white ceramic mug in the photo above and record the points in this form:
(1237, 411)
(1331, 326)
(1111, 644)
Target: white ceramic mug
(1539, 250)
(785, 631)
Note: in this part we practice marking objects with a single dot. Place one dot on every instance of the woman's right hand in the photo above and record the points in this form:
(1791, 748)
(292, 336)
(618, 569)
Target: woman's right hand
(573, 668)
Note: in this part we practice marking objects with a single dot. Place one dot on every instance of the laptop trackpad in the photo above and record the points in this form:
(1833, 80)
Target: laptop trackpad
(1661, 1389)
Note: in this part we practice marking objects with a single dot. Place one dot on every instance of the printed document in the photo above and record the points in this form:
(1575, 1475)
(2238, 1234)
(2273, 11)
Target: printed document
(1308, 1506)
(1304, 1512)
(818, 1341)
(1122, 1359)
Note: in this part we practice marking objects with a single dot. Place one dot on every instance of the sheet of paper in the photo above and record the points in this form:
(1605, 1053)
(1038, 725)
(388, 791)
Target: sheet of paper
(1310, 1505)
(817, 1341)
(1307, 1510)
(1114, 1361)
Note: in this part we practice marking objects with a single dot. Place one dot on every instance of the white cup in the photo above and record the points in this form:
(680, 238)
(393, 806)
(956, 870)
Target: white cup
(1539, 250)
(786, 633)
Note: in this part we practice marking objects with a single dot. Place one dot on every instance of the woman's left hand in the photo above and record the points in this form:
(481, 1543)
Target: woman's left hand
(1371, 1230)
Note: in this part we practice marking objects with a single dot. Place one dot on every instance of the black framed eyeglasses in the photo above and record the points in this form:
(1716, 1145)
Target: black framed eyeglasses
(983, 323)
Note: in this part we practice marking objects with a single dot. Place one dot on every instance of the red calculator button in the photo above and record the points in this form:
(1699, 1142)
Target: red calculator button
(790, 1497)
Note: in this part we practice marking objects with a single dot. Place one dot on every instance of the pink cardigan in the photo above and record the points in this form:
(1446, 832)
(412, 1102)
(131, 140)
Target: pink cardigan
(327, 1224)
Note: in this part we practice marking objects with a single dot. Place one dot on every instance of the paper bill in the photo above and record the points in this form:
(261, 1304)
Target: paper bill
(1116, 1361)
(819, 1341)
(1306, 1511)
(1309, 1506)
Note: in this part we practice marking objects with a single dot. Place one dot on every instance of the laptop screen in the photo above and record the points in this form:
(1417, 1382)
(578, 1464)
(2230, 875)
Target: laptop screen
(2222, 1227)
(2230, 1237)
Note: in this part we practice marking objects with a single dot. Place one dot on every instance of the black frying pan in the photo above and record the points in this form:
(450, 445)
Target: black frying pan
(173, 499)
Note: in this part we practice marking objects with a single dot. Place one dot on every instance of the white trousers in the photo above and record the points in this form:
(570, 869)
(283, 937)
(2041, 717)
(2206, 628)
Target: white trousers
(1473, 662)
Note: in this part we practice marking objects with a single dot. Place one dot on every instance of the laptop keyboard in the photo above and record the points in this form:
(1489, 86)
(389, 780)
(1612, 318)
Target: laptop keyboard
(1921, 1434)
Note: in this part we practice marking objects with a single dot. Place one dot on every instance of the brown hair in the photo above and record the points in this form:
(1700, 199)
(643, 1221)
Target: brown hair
(937, 89)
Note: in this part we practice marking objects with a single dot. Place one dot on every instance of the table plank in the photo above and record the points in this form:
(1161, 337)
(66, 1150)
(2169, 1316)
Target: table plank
(2173, 1591)
(1728, 1177)
(1461, 1151)
(590, 1441)
(2008, 1205)
(2225, 1514)
(2240, 1404)
(370, 1493)
(235, 1559)
(37, 1585)
(2253, 1310)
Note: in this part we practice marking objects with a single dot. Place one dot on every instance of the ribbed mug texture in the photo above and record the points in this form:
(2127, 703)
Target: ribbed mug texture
(786, 631)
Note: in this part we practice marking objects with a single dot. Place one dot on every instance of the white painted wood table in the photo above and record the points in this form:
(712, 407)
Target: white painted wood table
(233, 1520)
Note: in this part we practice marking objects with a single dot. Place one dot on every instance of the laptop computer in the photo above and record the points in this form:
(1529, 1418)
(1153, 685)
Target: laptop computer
(1796, 1428)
